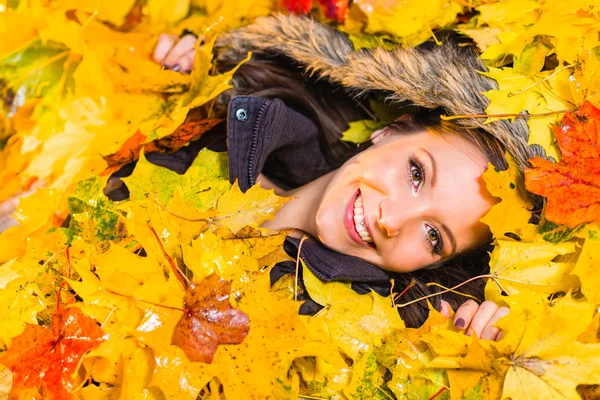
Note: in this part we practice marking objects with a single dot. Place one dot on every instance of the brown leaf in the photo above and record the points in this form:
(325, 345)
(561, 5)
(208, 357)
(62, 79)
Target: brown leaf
(129, 151)
(186, 132)
(209, 320)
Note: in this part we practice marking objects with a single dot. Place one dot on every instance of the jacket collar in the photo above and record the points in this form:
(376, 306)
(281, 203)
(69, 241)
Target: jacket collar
(260, 130)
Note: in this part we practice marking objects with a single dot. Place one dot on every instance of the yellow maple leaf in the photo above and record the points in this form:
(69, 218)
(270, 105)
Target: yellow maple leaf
(543, 93)
(236, 210)
(357, 323)
(510, 217)
(211, 253)
(407, 357)
(530, 360)
(411, 20)
(588, 266)
(518, 266)
(277, 336)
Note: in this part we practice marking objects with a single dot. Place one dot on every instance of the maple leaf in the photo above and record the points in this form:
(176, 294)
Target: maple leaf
(50, 358)
(201, 184)
(235, 209)
(408, 20)
(588, 266)
(508, 219)
(406, 357)
(94, 216)
(543, 93)
(530, 359)
(277, 336)
(536, 266)
(334, 9)
(21, 298)
(358, 323)
(129, 151)
(571, 186)
(226, 256)
(185, 133)
(209, 320)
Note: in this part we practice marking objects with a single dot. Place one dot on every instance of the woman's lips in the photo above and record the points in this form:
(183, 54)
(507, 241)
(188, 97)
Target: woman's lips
(349, 222)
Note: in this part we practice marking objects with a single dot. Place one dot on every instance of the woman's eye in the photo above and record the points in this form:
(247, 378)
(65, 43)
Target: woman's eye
(434, 240)
(432, 235)
(416, 175)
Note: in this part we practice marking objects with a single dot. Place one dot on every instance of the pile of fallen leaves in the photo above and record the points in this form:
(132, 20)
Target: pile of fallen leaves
(167, 294)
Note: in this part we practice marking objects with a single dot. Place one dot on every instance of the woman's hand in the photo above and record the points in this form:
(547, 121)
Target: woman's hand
(477, 319)
(175, 53)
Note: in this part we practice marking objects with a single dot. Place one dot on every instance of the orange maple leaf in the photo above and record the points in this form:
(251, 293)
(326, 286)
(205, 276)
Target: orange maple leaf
(49, 358)
(209, 320)
(129, 151)
(185, 133)
(571, 186)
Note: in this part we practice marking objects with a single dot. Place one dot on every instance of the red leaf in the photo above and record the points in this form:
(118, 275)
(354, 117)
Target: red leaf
(571, 186)
(50, 358)
(334, 9)
(209, 320)
(297, 6)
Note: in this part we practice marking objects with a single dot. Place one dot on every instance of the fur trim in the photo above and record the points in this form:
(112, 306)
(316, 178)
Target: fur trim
(445, 76)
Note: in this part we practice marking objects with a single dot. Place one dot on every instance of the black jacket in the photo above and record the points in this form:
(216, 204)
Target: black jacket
(265, 135)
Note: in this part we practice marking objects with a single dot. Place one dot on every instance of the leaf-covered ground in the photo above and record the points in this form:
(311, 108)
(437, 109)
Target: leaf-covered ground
(167, 295)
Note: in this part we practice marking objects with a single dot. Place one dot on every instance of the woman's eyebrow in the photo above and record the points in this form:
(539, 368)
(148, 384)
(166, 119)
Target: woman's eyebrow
(451, 236)
(433, 167)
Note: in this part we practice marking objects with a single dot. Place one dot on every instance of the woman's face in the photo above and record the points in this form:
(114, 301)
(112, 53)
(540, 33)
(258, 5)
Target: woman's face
(407, 202)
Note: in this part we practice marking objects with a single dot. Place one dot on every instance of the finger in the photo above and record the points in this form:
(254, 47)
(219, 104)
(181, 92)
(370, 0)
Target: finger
(163, 46)
(445, 309)
(182, 47)
(482, 317)
(187, 61)
(465, 314)
(490, 331)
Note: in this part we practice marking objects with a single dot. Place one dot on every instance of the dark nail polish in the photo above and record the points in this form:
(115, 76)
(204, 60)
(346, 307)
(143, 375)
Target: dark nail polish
(459, 323)
(176, 67)
(187, 71)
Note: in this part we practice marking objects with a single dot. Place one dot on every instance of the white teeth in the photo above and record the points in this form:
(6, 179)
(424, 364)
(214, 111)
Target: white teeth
(359, 220)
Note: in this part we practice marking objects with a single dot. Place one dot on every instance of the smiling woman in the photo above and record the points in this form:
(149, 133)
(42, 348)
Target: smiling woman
(399, 204)
(390, 215)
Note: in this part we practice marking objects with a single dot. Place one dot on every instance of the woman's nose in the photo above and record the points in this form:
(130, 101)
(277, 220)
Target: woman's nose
(394, 216)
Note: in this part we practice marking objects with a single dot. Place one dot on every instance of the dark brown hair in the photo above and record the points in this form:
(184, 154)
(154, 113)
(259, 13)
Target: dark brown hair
(332, 108)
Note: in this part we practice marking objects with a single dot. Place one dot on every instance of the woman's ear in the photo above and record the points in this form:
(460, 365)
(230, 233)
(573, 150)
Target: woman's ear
(385, 131)
(380, 134)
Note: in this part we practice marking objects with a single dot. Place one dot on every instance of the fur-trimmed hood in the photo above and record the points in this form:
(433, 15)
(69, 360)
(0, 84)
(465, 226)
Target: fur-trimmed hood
(446, 76)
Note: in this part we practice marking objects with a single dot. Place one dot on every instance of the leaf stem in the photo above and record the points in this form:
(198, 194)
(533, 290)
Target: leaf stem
(178, 273)
(165, 209)
(510, 94)
(144, 301)
(437, 393)
(516, 115)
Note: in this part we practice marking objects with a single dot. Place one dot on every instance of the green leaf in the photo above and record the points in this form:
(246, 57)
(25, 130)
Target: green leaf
(94, 216)
(532, 58)
(202, 184)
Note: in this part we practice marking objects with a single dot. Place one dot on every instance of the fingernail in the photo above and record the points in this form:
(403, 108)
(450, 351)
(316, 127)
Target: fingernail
(187, 71)
(459, 323)
(498, 336)
(176, 67)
